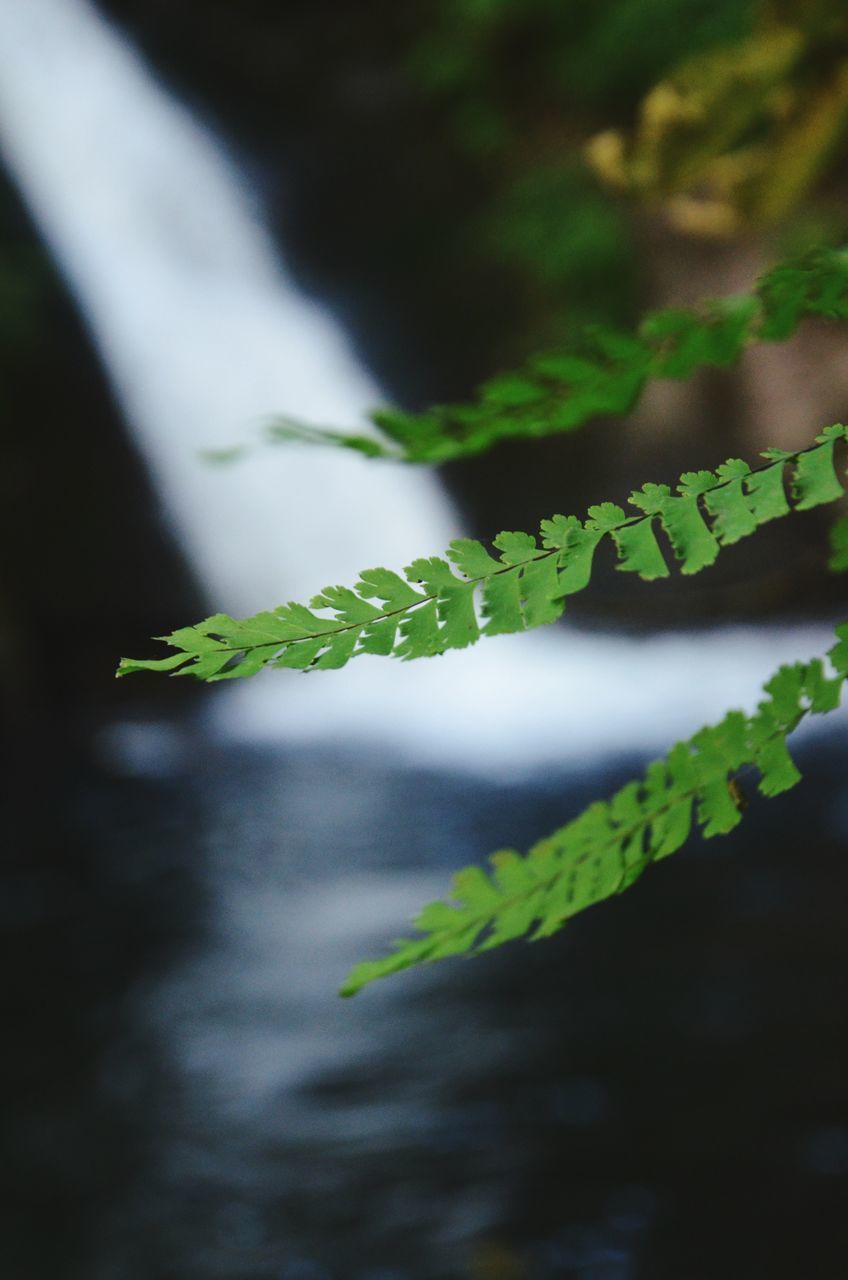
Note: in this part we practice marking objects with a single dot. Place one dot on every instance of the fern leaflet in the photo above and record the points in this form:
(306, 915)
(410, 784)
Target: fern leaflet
(605, 371)
(607, 847)
(444, 604)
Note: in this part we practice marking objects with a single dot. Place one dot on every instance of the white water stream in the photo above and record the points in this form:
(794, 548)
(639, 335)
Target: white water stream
(203, 332)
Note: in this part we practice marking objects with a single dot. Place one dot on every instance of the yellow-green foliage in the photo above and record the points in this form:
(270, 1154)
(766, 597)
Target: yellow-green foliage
(737, 135)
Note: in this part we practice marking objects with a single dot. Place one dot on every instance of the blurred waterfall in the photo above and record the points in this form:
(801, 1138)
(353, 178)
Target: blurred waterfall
(197, 322)
(203, 332)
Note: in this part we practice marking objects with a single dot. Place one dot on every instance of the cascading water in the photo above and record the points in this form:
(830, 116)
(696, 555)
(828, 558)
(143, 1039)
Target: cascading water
(202, 333)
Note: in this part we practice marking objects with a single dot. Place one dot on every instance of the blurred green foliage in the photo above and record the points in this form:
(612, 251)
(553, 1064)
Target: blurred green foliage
(506, 55)
(553, 223)
(525, 83)
(601, 371)
(721, 116)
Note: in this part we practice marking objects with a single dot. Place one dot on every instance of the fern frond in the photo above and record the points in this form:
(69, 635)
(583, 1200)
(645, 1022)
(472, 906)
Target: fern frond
(607, 847)
(605, 371)
(444, 604)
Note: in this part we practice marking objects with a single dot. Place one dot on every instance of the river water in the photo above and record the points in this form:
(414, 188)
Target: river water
(660, 1092)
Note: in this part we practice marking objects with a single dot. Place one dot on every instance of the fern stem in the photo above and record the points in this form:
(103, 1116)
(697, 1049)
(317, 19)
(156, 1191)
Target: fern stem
(434, 609)
(608, 847)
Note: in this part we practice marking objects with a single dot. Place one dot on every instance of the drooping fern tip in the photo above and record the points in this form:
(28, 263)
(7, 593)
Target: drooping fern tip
(610, 844)
(523, 582)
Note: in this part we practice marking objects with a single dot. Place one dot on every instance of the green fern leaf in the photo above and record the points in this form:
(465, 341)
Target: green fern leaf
(638, 550)
(687, 339)
(388, 586)
(839, 653)
(419, 633)
(606, 371)
(379, 637)
(691, 539)
(817, 285)
(444, 604)
(815, 481)
(472, 558)
(607, 848)
(576, 564)
(766, 494)
(516, 548)
(729, 504)
(348, 606)
(694, 483)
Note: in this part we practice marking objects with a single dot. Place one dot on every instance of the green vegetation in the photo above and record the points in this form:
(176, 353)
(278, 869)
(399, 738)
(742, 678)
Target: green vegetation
(610, 844)
(436, 607)
(746, 114)
(605, 370)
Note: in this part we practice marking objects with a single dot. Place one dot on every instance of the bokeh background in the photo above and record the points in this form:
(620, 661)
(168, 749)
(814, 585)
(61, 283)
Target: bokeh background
(212, 213)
